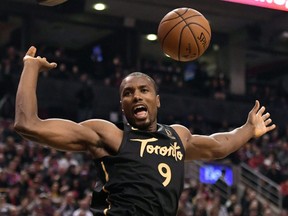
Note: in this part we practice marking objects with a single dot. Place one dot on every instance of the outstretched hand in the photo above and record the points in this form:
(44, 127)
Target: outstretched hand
(40, 62)
(260, 121)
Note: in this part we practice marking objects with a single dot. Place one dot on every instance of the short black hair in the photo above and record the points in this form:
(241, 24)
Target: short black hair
(140, 74)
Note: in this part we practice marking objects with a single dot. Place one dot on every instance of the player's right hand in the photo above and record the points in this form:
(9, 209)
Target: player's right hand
(40, 62)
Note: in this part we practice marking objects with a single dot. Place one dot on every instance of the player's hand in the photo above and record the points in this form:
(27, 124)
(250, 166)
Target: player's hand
(259, 120)
(40, 62)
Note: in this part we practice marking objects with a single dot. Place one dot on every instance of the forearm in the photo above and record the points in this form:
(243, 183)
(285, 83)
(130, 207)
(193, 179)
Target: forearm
(57, 133)
(219, 145)
(26, 101)
(229, 142)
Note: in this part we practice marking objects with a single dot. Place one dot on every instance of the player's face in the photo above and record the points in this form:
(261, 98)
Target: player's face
(140, 102)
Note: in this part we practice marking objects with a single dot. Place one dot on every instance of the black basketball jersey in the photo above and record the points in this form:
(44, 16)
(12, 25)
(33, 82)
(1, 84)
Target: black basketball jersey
(145, 177)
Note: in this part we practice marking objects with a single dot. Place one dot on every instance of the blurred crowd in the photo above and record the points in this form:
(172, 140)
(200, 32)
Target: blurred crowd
(192, 78)
(199, 199)
(39, 181)
(35, 180)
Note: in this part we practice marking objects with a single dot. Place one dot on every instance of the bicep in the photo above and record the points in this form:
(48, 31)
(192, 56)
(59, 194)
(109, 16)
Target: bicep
(62, 134)
(215, 146)
(201, 147)
(197, 147)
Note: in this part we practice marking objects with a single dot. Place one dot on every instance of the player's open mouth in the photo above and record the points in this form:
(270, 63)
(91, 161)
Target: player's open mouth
(140, 112)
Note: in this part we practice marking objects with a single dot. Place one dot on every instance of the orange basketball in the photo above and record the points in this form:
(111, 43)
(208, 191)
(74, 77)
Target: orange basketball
(184, 34)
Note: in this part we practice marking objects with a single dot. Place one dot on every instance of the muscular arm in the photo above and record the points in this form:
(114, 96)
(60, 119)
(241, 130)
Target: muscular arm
(57, 133)
(219, 145)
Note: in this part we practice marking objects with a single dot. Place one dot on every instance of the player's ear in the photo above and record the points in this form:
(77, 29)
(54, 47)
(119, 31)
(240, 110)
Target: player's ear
(158, 101)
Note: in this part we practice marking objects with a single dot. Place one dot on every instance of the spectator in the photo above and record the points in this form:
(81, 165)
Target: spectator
(5, 208)
(200, 206)
(68, 206)
(83, 209)
(185, 204)
(284, 192)
(256, 161)
(29, 201)
(43, 206)
(218, 209)
(274, 173)
(222, 187)
(238, 210)
(85, 96)
(231, 203)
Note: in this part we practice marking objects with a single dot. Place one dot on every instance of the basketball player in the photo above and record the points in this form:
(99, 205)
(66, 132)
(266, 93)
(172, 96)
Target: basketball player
(140, 166)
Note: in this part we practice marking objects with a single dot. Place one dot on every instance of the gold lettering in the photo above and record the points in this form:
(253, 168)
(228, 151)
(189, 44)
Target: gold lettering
(175, 152)
(172, 151)
(150, 149)
(179, 155)
(165, 171)
(144, 142)
(156, 149)
(163, 151)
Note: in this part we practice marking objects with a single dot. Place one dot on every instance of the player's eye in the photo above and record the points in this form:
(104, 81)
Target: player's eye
(126, 93)
(144, 90)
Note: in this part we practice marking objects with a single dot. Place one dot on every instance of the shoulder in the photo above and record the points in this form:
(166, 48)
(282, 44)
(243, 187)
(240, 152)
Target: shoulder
(183, 132)
(180, 129)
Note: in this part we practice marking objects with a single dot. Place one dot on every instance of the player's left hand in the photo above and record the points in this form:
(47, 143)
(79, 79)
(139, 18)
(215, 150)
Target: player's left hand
(259, 120)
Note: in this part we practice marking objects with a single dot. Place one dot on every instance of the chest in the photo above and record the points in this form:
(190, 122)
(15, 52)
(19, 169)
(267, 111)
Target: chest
(150, 158)
(151, 147)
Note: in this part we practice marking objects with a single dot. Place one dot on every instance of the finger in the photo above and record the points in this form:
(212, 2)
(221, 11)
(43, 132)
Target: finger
(266, 116)
(261, 110)
(31, 51)
(53, 64)
(256, 107)
(269, 128)
(268, 121)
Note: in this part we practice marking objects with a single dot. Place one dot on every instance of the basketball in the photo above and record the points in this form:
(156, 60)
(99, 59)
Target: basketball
(184, 34)
(50, 2)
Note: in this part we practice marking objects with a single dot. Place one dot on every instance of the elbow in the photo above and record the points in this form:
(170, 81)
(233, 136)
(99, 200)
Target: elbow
(24, 124)
(20, 128)
(23, 127)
